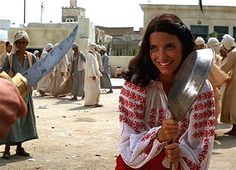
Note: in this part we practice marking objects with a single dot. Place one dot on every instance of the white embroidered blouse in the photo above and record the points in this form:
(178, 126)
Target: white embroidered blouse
(142, 111)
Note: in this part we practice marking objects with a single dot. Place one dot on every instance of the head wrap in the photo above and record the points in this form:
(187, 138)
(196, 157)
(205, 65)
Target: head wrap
(199, 41)
(140, 43)
(228, 41)
(48, 46)
(36, 52)
(92, 46)
(103, 48)
(212, 42)
(20, 35)
(75, 45)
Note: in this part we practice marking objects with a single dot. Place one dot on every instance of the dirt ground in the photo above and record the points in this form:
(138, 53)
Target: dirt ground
(72, 137)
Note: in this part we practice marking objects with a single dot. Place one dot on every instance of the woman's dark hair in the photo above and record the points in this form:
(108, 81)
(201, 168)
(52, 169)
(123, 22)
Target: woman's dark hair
(141, 69)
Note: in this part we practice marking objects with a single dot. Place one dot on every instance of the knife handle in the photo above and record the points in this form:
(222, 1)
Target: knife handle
(20, 82)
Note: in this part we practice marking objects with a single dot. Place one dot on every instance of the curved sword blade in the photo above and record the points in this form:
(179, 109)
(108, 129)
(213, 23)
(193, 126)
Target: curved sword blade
(46, 64)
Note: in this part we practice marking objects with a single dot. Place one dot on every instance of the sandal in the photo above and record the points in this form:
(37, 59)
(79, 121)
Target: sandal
(21, 152)
(6, 155)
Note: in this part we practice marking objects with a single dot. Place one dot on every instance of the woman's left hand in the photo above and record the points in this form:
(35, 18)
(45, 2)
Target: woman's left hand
(172, 152)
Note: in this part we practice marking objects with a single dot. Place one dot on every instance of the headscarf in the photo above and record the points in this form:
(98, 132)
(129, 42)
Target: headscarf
(103, 48)
(48, 46)
(228, 41)
(75, 45)
(18, 36)
(212, 42)
(199, 41)
(92, 46)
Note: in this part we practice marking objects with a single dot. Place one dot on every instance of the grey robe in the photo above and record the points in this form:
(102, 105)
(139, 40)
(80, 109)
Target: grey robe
(25, 128)
(79, 75)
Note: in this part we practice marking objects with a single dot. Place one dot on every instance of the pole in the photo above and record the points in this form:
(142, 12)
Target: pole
(24, 10)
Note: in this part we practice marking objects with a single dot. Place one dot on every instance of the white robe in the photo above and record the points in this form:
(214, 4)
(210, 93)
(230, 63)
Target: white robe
(92, 87)
(142, 111)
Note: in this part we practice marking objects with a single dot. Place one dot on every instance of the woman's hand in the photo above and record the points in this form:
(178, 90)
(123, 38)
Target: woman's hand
(168, 131)
(12, 106)
(172, 152)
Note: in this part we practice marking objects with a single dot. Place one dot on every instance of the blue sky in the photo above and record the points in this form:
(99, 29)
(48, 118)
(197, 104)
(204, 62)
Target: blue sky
(111, 13)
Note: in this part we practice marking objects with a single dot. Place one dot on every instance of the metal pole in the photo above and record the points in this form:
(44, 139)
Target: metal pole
(24, 10)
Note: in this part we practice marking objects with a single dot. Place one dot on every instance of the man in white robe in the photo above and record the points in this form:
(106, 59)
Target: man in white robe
(92, 78)
(45, 84)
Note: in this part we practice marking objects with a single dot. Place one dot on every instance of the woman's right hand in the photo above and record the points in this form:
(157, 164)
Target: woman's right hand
(12, 106)
(169, 131)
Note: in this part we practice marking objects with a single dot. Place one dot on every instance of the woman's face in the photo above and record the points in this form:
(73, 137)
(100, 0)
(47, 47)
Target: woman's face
(166, 53)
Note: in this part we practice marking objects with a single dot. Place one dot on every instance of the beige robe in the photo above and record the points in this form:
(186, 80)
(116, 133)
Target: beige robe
(45, 84)
(228, 114)
(92, 87)
(59, 76)
(217, 77)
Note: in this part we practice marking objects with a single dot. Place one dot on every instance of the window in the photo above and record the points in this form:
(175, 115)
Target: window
(234, 32)
(199, 30)
(69, 19)
(221, 30)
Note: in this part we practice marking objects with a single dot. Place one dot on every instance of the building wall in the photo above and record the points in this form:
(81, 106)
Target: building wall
(40, 33)
(191, 15)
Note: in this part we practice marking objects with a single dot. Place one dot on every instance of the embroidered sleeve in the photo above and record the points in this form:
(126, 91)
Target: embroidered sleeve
(197, 142)
(138, 145)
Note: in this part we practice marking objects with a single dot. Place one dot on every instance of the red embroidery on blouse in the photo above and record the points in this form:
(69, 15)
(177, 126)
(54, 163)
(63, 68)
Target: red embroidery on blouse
(133, 95)
(161, 116)
(202, 155)
(137, 126)
(134, 87)
(148, 149)
(131, 114)
(205, 95)
(152, 117)
(148, 136)
(183, 126)
(204, 123)
(205, 114)
(204, 133)
(203, 105)
(130, 104)
(191, 165)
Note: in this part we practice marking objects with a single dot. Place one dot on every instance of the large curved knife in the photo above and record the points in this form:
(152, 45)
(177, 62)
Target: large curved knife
(30, 77)
(189, 81)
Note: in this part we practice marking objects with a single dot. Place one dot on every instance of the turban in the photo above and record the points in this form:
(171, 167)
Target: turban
(103, 48)
(92, 46)
(228, 41)
(75, 45)
(212, 42)
(199, 41)
(20, 35)
(140, 43)
(48, 46)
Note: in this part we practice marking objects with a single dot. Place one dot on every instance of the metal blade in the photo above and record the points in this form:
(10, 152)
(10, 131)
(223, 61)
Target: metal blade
(46, 64)
(189, 81)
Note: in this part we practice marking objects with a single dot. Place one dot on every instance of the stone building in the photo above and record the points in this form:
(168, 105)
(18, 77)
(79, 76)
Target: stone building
(217, 20)
(43, 33)
(124, 40)
(73, 12)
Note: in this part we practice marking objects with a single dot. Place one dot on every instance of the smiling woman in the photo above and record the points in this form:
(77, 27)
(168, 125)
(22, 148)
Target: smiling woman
(148, 128)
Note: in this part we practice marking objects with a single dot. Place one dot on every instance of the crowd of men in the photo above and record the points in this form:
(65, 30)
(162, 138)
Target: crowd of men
(79, 75)
(223, 78)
